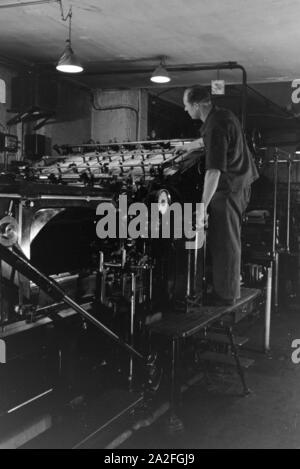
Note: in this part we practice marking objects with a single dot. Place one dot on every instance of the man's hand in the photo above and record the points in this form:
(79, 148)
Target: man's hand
(180, 150)
(200, 220)
(194, 145)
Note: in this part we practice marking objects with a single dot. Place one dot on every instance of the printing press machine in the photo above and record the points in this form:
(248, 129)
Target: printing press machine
(74, 306)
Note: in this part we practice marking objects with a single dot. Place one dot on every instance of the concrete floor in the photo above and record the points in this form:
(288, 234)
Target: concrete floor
(214, 414)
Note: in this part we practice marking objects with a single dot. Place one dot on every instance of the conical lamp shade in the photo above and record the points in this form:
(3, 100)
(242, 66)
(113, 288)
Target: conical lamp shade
(68, 62)
(160, 75)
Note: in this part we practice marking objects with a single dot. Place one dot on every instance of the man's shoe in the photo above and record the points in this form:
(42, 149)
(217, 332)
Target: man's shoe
(224, 302)
(216, 300)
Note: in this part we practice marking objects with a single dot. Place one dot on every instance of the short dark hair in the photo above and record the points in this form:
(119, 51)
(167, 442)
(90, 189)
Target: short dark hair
(197, 93)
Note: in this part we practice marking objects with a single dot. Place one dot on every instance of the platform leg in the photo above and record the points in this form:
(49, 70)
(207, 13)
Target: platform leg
(240, 370)
(276, 282)
(132, 324)
(175, 424)
(268, 307)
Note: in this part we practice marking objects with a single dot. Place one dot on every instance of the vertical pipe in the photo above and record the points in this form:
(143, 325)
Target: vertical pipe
(268, 309)
(150, 283)
(101, 262)
(5, 161)
(1, 298)
(275, 201)
(138, 116)
(204, 284)
(10, 208)
(101, 277)
(132, 317)
(123, 257)
(288, 206)
(123, 263)
(276, 281)
(20, 242)
(275, 230)
(195, 263)
(59, 363)
(244, 96)
(20, 223)
(188, 283)
(174, 378)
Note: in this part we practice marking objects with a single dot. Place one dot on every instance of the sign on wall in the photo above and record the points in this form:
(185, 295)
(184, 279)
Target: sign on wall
(217, 87)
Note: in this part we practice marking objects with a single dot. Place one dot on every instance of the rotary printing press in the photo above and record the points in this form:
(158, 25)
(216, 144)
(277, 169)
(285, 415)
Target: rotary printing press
(59, 280)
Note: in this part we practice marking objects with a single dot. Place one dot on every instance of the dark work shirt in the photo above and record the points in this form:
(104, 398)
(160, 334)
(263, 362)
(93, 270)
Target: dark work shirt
(227, 150)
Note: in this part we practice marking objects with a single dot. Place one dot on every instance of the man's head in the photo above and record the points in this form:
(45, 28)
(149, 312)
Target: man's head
(197, 102)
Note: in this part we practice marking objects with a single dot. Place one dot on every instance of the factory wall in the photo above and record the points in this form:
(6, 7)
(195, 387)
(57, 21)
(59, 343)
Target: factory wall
(82, 115)
(73, 116)
(71, 104)
(119, 115)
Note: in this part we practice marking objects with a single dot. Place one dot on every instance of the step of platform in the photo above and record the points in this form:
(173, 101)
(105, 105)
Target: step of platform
(226, 359)
(224, 339)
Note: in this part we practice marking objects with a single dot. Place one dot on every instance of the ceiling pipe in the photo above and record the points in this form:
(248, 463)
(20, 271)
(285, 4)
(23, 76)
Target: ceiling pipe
(172, 68)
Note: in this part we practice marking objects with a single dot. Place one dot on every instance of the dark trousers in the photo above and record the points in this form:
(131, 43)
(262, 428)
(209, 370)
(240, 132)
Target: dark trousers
(224, 240)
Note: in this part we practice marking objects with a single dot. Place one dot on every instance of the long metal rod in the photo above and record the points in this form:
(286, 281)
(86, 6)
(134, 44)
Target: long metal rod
(84, 198)
(112, 144)
(35, 398)
(101, 326)
(296, 160)
(24, 4)
(52, 288)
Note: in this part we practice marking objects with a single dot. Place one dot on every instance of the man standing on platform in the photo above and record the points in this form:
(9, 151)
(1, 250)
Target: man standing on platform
(229, 173)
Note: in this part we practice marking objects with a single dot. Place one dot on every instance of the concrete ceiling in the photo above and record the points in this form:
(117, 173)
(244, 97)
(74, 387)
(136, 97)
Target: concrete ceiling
(262, 35)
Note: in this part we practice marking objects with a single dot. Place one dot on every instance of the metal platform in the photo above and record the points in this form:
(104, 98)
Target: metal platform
(176, 327)
(181, 325)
